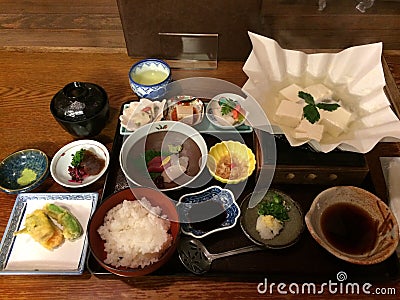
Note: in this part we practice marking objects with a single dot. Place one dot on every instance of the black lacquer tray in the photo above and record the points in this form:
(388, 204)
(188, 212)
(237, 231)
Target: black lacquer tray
(304, 262)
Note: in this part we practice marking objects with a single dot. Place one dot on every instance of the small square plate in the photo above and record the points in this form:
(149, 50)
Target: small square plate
(21, 255)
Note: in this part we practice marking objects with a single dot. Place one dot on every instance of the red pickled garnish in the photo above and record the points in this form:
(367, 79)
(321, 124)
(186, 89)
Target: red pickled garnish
(77, 174)
(146, 109)
(235, 114)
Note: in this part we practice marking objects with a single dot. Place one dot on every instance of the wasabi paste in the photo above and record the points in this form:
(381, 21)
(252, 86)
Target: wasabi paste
(27, 176)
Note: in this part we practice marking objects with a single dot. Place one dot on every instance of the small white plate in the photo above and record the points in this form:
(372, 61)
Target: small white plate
(218, 121)
(62, 159)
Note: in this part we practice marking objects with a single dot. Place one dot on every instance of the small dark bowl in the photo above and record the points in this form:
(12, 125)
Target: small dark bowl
(156, 198)
(289, 235)
(81, 108)
(12, 166)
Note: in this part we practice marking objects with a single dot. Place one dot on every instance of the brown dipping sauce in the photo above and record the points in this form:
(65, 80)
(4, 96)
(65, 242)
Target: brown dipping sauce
(349, 228)
(198, 212)
(91, 163)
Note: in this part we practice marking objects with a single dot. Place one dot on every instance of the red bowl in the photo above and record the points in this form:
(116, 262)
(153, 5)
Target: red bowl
(156, 198)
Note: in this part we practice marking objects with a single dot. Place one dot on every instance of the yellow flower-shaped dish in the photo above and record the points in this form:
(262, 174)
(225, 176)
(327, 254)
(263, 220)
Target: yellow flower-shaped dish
(231, 162)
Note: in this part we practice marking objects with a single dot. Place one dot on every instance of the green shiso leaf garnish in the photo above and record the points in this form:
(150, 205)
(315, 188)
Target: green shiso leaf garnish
(77, 157)
(310, 111)
(227, 105)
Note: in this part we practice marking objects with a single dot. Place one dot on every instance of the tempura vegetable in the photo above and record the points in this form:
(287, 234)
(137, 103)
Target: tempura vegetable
(40, 226)
(72, 229)
(42, 229)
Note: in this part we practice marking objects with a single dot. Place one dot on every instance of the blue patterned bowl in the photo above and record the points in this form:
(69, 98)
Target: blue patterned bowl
(149, 78)
(23, 171)
(229, 207)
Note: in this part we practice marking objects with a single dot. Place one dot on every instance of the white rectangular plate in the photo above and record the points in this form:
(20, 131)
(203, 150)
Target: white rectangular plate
(20, 255)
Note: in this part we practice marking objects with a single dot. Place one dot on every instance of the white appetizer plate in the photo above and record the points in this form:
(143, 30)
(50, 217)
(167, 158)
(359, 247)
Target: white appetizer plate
(62, 159)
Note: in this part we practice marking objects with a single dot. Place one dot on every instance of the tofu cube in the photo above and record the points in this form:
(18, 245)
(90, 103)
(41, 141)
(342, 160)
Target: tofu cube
(309, 131)
(291, 92)
(319, 92)
(185, 113)
(336, 121)
(289, 113)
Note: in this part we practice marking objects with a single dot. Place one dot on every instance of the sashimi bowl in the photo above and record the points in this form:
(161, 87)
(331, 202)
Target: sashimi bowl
(166, 155)
(149, 235)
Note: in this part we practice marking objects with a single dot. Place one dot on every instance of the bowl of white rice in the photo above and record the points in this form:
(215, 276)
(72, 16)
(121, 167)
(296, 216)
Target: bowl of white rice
(134, 232)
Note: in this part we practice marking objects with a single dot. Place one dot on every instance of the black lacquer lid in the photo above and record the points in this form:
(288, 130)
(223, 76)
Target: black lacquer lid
(78, 101)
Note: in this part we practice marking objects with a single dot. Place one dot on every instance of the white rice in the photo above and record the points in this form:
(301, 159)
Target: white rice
(134, 234)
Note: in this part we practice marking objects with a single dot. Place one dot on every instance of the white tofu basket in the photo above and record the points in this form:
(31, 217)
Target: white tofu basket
(355, 75)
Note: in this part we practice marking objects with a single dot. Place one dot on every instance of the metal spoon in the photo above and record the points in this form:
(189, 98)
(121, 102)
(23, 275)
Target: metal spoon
(196, 258)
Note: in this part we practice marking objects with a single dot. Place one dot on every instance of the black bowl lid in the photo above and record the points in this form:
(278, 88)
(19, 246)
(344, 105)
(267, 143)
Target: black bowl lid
(78, 101)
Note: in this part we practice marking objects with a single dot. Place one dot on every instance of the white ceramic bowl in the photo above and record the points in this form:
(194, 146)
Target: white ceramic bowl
(197, 105)
(216, 119)
(132, 158)
(62, 159)
(149, 78)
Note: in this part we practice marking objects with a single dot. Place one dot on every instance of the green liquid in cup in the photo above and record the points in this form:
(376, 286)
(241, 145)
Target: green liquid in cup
(150, 77)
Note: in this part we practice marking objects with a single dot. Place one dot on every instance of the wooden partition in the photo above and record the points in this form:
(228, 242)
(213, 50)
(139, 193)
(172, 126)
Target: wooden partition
(299, 24)
(143, 20)
(293, 23)
(74, 25)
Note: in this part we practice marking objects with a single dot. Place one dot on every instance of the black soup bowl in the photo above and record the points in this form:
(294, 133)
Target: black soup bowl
(81, 108)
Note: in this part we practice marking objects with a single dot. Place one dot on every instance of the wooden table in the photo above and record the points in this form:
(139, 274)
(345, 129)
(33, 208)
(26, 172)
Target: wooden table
(28, 81)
